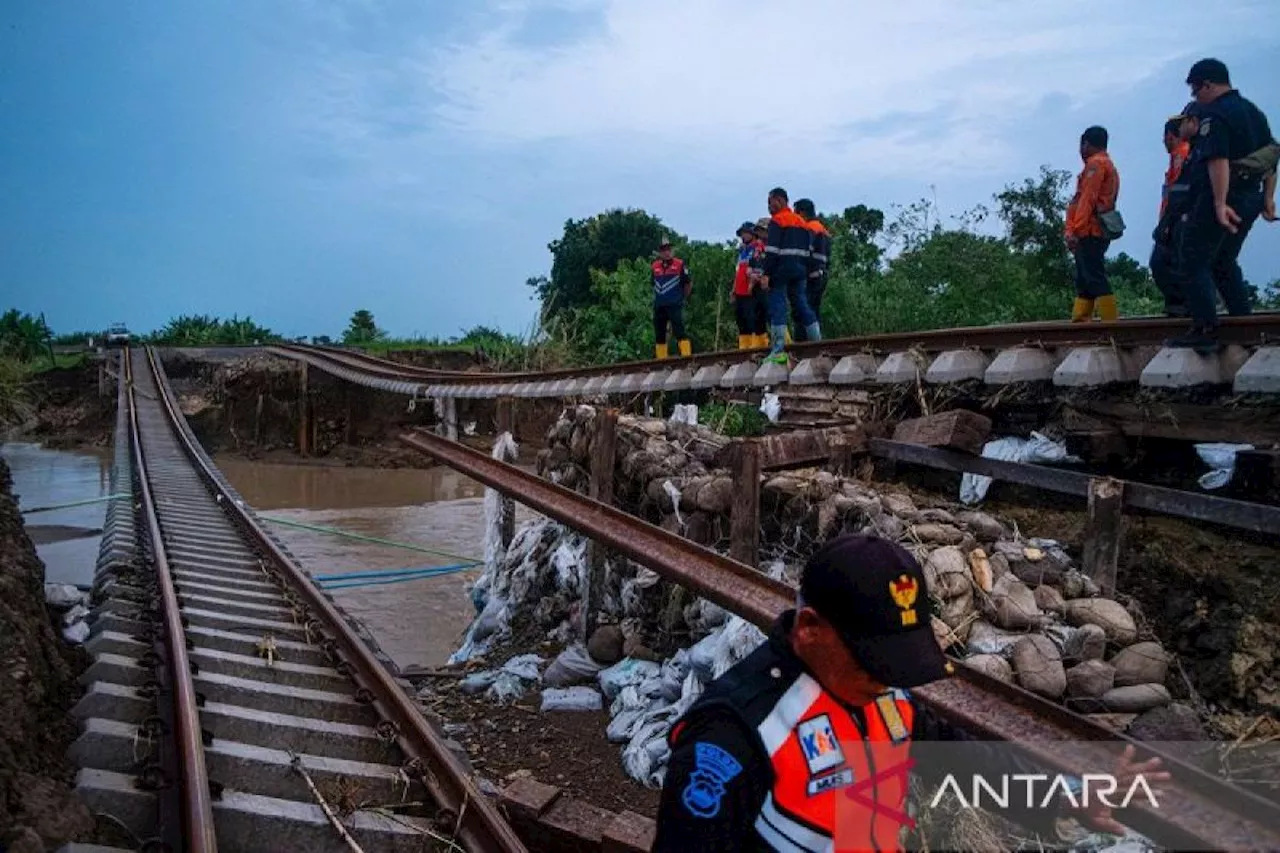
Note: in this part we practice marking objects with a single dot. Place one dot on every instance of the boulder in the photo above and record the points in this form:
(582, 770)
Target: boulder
(1049, 600)
(986, 528)
(937, 516)
(1012, 605)
(946, 571)
(886, 525)
(1034, 572)
(1116, 722)
(938, 534)
(900, 505)
(1109, 615)
(992, 665)
(1088, 642)
(1090, 679)
(999, 566)
(958, 612)
(605, 645)
(1141, 663)
(1039, 666)
(1171, 723)
(943, 633)
(980, 568)
(1136, 698)
(1077, 585)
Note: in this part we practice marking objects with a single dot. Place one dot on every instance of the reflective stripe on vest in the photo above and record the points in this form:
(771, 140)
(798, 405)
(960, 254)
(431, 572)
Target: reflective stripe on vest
(799, 253)
(665, 278)
(818, 753)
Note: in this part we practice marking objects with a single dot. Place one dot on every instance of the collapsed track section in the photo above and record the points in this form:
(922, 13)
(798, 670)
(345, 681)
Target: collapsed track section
(229, 704)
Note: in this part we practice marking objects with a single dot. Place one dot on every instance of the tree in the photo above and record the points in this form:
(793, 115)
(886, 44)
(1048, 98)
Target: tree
(199, 330)
(1034, 214)
(363, 330)
(598, 243)
(22, 336)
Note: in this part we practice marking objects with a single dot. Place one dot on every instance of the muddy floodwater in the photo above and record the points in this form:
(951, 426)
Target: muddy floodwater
(417, 622)
(66, 539)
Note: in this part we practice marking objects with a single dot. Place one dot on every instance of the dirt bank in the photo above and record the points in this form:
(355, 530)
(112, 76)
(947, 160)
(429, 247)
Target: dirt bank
(69, 410)
(37, 689)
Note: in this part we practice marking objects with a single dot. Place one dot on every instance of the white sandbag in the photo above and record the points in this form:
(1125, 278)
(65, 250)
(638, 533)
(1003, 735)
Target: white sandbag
(1221, 459)
(685, 414)
(673, 493)
(571, 699)
(523, 666)
(478, 682)
(628, 671)
(571, 666)
(674, 670)
(63, 595)
(506, 688)
(702, 655)
(76, 614)
(738, 639)
(623, 726)
(77, 633)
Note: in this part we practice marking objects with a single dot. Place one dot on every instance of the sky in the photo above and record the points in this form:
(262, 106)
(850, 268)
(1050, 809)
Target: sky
(296, 160)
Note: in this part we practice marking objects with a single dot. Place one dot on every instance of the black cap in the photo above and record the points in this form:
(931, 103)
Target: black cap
(749, 227)
(1208, 71)
(874, 593)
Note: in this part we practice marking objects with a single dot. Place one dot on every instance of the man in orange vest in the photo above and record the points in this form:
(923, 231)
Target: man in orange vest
(819, 256)
(1177, 133)
(805, 745)
(671, 287)
(1096, 191)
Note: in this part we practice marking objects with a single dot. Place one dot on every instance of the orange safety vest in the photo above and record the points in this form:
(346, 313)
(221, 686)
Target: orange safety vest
(835, 784)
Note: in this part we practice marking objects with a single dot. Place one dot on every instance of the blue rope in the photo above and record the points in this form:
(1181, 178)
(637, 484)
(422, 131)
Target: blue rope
(399, 577)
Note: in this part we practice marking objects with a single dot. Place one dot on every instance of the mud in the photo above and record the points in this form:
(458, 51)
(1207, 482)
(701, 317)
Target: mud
(69, 411)
(37, 688)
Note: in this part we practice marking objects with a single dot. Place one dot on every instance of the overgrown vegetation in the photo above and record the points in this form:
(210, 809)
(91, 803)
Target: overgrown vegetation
(202, 330)
(733, 419)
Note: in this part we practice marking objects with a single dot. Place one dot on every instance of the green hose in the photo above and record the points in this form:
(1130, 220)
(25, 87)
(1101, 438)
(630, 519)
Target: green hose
(357, 536)
(117, 497)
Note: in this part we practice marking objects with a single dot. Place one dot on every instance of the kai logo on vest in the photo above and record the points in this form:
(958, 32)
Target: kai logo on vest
(904, 591)
(818, 743)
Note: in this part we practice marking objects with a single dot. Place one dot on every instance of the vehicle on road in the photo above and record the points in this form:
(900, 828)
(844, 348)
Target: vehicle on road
(117, 336)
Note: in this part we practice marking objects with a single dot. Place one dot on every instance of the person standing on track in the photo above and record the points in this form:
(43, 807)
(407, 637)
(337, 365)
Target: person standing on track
(1230, 178)
(807, 742)
(751, 320)
(671, 287)
(819, 254)
(786, 273)
(756, 274)
(1096, 190)
(1178, 131)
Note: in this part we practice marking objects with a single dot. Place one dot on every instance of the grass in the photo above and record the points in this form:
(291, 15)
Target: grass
(15, 392)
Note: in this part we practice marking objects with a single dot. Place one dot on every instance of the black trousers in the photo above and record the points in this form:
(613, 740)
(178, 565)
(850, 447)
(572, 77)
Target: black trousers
(1164, 270)
(674, 314)
(1091, 267)
(751, 313)
(1208, 255)
(814, 289)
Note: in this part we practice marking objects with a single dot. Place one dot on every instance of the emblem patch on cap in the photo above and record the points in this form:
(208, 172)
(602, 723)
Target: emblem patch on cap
(904, 591)
(818, 743)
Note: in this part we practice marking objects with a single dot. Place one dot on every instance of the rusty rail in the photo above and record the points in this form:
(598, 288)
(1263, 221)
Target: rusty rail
(479, 824)
(1146, 331)
(195, 797)
(1201, 811)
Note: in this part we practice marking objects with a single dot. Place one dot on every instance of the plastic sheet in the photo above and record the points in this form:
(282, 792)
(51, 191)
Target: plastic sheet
(625, 673)
(478, 682)
(506, 688)
(571, 666)
(685, 414)
(771, 407)
(673, 493)
(76, 614)
(63, 595)
(1221, 459)
(77, 633)
(571, 699)
(1039, 449)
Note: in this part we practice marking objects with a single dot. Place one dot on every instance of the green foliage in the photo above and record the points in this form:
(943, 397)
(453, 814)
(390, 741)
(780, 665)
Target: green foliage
(202, 330)
(733, 419)
(362, 329)
(1034, 213)
(22, 336)
(598, 243)
(15, 395)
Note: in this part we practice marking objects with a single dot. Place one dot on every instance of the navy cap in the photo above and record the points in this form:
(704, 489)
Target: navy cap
(873, 592)
(749, 227)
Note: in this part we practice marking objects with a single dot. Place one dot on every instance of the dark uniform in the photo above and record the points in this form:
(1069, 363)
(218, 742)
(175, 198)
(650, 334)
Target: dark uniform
(768, 759)
(819, 257)
(1231, 128)
(786, 263)
(670, 280)
(1172, 201)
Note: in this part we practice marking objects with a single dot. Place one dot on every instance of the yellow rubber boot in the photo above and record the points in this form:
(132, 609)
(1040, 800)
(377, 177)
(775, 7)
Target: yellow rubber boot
(788, 336)
(686, 347)
(744, 341)
(1082, 310)
(661, 350)
(1107, 308)
(760, 341)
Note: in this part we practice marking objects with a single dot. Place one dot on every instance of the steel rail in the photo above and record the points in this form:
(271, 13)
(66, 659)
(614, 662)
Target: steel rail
(481, 827)
(1200, 811)
(196, 799)
(1152, 331)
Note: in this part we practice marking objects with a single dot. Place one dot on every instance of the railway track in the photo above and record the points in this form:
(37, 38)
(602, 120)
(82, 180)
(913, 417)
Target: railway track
(1034, 351)
(229, 705)
(1199, 811)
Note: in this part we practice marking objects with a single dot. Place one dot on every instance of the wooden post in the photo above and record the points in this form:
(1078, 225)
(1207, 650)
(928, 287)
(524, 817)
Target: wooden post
(744, 513)
(451, 418)
(603, 450)
(1102, 532)
(841, 457)
(507, 424)
(304, 414)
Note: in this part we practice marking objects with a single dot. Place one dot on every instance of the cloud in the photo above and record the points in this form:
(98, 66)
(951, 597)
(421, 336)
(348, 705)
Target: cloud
(720, 82)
